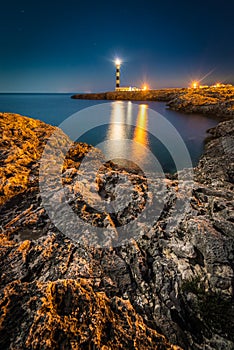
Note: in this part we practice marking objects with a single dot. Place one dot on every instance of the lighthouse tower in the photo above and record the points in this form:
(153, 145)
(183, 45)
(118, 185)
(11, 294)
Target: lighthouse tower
(117, 76)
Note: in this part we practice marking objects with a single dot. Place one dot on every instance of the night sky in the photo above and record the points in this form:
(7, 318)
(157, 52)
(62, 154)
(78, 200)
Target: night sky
(69, 46)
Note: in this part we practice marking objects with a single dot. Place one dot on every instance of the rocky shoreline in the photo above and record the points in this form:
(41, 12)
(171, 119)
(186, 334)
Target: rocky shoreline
(150, 95)
(214, 101)
(163, 287)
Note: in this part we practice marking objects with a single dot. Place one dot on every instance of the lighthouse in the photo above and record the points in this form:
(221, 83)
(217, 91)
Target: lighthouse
(118, 63)
(117, 75)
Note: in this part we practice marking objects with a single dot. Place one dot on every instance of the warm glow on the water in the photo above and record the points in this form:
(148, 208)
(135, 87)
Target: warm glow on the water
(129, 112)
(116, 129)
(140, 134)
(127, 134)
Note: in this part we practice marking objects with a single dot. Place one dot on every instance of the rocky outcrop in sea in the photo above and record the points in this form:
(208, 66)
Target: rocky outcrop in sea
(170, 283)
(215, 101)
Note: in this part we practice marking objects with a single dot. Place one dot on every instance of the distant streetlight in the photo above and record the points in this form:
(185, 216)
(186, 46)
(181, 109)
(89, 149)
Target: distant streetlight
(145, 87)
(195, 84)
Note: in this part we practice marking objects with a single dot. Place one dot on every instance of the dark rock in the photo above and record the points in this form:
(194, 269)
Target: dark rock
(57, 293)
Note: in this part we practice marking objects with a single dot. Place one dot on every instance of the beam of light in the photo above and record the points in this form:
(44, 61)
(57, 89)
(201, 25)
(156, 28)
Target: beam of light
(207, 75)
(196, 83)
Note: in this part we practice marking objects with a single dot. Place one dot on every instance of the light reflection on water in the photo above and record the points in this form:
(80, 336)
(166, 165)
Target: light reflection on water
(140, 133)
(116, 129)
(55, 108)
(124, 141)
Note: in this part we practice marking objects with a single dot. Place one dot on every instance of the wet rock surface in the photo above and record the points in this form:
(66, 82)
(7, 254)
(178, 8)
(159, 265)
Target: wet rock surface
(170, 282)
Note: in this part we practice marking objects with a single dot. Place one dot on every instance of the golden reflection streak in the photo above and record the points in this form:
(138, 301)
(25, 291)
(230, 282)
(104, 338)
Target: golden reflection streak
(129, 112)
(116, 129)
(140, 133)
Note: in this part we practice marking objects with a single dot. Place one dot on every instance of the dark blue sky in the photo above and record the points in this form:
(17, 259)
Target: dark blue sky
(68, 46)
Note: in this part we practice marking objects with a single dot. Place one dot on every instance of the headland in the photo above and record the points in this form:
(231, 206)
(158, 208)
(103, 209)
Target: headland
(216, 101)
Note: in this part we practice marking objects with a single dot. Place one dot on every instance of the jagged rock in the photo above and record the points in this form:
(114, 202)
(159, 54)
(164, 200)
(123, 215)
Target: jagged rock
(68, 314)
(176, 282)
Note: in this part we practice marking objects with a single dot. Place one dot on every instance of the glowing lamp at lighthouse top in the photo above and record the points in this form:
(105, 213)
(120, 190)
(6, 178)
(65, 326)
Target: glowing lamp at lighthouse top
(117, 62)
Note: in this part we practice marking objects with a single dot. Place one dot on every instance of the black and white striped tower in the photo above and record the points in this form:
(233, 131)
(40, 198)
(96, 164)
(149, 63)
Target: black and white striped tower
(117, 76)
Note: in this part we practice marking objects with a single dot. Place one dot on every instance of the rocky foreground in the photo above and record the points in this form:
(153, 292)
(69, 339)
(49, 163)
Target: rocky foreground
(161, 287)
(216, 101)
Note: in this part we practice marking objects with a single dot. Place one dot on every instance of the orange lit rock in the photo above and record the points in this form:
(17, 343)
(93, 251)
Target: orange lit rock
(164, 288)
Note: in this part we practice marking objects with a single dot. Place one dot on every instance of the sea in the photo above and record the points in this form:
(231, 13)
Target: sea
(145, 134)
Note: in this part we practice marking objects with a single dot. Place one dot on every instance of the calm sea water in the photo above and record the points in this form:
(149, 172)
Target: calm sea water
(145, 146)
